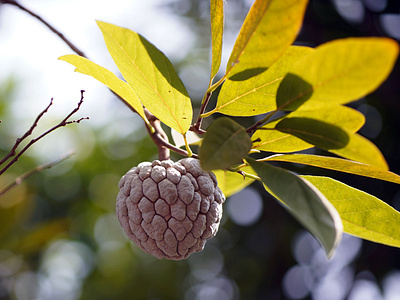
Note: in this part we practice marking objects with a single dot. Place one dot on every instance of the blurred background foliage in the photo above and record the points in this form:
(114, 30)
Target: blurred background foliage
(60, 239)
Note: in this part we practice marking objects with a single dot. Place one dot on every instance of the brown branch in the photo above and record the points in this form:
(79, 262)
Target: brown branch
(159, 137)
(26, 134)
(64, 122)
(259, 123)
(28, 174)
(197, 126)
(53, 29)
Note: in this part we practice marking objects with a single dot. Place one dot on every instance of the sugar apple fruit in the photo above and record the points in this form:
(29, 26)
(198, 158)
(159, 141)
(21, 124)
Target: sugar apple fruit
(169, 209)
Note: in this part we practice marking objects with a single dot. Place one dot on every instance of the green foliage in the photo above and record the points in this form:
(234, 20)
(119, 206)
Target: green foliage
(304, 201)
(150, 74)
(233, 182)
(339, 72)
(118, 86)
(224, 144)
(295, 133)
(362, 215)
(217, 29)
(298, 95)
(268, 30)
(338, 164)
(253, 91)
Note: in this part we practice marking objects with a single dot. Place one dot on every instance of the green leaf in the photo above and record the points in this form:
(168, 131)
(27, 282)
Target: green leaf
(297, 134)
(150, 74)
(232, 182)
(217, 29)
(363, 215)
(315, 132)
(118, 86)
(341, 116)
(339, 72)
(337, 164)
(305, 202)
(253, 91)
(225, 144)
(273, 140)
(268, 30)
(362, 150)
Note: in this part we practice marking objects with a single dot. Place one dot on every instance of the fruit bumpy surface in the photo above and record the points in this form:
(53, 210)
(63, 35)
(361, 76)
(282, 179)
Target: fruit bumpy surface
(169, 209)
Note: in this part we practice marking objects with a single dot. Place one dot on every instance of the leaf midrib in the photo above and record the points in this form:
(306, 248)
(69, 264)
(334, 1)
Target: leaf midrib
(253, 90)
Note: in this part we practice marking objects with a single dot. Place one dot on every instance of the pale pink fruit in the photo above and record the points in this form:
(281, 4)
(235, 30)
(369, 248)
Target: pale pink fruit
(169, 209)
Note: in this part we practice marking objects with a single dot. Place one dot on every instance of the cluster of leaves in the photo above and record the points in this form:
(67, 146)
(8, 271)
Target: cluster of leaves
(298, 95)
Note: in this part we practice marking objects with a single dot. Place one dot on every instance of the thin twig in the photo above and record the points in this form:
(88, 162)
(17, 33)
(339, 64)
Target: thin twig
(28, 174)
(64, 122)
(26, 134)
(197, 126)
(159, 136)
(256, 125)
(161, 139)
(72, 46)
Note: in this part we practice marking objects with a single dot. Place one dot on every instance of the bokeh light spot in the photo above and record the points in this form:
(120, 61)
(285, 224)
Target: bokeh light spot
(391, 24)
(245, 207)
(391, 286)
(207, 263)
(373, 122)
(365, 290)
(351, 10)
(219, 288)
(297, 282)
(376, 5)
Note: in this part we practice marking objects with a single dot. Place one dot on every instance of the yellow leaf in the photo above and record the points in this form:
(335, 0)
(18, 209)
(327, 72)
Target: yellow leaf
(269, 29)
(253, 91)
(118, 86)
(232, 182)
(337, 164)
(338, 72)
(217, 28)
(363, 215)
(150, 74)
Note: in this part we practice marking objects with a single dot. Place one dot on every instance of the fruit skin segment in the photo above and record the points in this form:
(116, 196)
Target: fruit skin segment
(169, 209)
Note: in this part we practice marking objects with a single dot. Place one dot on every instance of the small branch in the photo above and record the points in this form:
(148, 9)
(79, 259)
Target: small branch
(72, 46)
(197, 126)
(160, 138)
(26, 134)
(28, 174)
(255, 126)
(64, 122)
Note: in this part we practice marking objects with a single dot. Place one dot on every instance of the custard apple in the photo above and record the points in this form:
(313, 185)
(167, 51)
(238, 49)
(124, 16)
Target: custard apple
(169, 209)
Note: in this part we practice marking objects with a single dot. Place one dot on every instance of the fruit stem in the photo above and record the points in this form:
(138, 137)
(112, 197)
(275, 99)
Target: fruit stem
(160, 138)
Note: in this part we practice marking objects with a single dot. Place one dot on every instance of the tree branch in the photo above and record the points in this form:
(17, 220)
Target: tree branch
(61, 36)
(159, 137)
(28, 133)
(197, 126)
(64, 122)
(28, 174)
